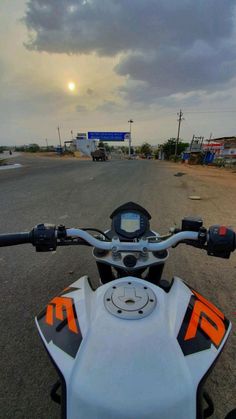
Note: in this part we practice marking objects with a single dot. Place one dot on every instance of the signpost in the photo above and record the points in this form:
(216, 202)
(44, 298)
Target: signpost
(109, 136)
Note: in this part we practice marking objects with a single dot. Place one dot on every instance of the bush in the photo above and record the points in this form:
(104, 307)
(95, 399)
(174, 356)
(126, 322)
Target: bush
(169, 148)
(156, 154)
(33, 148)
(174, 158)
(3, 162)
(219, 162)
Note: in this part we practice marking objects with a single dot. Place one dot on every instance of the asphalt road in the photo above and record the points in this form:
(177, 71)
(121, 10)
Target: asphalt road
(83, 193)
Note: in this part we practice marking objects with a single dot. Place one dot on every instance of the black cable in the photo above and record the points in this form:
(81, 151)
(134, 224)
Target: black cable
(98, 231)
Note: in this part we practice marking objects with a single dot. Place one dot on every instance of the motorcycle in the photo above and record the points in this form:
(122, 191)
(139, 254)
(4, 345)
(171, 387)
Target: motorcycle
(137, 346)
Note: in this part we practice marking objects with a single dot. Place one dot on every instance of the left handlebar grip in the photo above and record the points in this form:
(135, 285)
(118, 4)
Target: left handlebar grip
(13, 239)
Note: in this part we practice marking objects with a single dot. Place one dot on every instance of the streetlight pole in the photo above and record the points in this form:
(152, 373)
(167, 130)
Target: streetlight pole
(130, 122)
(59, 135)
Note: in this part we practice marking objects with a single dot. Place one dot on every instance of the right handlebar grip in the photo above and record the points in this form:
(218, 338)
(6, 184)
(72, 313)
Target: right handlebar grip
(13, 239)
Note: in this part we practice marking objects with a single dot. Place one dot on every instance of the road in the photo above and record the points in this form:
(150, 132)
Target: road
(83, 193)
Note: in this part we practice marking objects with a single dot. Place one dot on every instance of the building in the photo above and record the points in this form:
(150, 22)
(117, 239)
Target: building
(224, 147)
(82, 144)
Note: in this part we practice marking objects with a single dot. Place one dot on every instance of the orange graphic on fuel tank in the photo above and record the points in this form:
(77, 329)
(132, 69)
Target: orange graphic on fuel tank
(209, 304)
(59, 305)
(208, 318)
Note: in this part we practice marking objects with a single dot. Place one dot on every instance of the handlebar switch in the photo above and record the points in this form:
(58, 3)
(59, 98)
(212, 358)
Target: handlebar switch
(221, 241)
(202, 236)
(44, 237)
(191, 224)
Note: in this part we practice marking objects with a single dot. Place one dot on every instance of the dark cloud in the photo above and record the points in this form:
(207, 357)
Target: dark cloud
(171, 46)
(175, 70)
(112, 26)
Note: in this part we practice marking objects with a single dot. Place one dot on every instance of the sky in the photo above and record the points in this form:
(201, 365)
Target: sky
(129, 59)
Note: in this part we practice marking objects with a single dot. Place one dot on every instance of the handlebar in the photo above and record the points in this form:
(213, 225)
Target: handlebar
(218, 241)
(14, 239)
(142, 246)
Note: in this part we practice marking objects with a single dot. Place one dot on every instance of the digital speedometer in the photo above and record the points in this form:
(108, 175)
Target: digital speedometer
(130, 222)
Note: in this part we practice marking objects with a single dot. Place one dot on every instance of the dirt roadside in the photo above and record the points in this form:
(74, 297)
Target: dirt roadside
(52, 154)
(221, 176)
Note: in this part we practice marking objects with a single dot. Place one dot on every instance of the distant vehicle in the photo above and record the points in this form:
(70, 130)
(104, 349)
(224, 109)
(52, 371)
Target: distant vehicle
(146, 156)
(99, 154)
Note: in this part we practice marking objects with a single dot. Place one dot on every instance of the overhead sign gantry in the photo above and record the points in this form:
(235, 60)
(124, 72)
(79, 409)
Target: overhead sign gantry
(109, 136)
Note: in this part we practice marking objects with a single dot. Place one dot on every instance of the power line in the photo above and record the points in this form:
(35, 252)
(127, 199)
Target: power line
(213, 111)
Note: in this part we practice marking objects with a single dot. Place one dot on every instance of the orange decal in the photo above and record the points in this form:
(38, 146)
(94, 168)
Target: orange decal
(61, 304)
(205, 301)
(206, 316)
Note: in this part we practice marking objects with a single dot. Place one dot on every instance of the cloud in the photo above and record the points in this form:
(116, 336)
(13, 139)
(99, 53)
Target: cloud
(2, 70)
(169, 71)
(112, 26)
(90, 92)
(166, 47)
(110, 106)
(81, 108)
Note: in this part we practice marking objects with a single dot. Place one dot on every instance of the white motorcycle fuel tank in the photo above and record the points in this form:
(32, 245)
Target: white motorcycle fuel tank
(131, 350)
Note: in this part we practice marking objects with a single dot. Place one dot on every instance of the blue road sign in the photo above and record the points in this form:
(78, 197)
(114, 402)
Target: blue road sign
(108, 136)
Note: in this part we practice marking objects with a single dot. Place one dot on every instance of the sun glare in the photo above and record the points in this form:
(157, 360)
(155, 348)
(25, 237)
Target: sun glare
(71, 86)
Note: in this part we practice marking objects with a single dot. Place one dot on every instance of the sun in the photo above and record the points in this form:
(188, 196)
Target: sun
(71, 86)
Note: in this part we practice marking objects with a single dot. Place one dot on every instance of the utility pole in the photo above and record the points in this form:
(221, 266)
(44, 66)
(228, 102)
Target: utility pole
(130, 122)
(46, 142)
(180, 115)
(59, 135)
(192, 143)
(72, 136)
(209, 140)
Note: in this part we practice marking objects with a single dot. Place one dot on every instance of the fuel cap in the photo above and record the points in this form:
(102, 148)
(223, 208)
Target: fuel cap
(129, 300)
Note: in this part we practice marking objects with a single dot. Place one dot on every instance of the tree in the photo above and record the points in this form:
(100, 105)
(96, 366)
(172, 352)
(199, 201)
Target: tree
(169, 147)
(33, 148)
(107, 147)
(20, 148)
(124, 149)
(146, 149)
